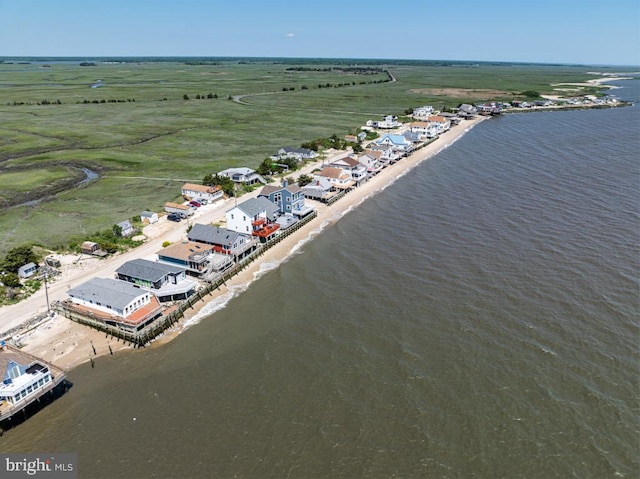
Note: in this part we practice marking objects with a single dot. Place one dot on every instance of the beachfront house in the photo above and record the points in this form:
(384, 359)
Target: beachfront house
(398, 143)
(441, 123)
(193, 257)
(167, 282)
(357, 170)
(371, 160)
(425, 129)
(231, 244)
(339, 179)
(320, 189)
(21, 382)
(467, 111)
(385, 153)
(256, 217)
(245, 176)
(192, 191)
(115, 303)
(289, 198)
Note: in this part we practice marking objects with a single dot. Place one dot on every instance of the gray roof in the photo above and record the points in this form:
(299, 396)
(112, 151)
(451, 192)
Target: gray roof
(301, 151)
(212, 235)
(268, 189)
(112, 292)
(254, 206)
(147, 270)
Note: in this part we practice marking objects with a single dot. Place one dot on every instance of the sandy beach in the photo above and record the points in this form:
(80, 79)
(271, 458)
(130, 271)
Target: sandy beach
(68, 344)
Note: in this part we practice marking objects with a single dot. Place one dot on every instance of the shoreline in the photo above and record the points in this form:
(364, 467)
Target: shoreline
(68, 344)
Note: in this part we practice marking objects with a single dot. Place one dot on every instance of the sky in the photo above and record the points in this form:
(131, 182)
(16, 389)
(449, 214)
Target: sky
(592, 32)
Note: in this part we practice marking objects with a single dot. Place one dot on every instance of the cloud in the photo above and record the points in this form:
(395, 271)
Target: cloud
(290, 35)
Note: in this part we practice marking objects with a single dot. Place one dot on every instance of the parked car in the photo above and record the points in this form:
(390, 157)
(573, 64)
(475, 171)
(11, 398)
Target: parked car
(174, 217)
(202, 201)
(195, 203)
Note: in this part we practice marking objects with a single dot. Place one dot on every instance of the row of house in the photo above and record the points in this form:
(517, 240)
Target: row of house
(353, 170)
(133, 299)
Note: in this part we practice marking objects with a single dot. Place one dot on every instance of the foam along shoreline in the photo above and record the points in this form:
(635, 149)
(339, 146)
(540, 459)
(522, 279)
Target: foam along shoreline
(68, 344)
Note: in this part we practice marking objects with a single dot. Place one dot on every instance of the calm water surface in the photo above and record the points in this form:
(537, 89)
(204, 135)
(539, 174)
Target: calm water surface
(478, 318)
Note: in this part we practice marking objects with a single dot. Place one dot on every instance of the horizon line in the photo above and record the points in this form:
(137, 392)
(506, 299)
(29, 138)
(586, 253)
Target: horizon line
(367, 59)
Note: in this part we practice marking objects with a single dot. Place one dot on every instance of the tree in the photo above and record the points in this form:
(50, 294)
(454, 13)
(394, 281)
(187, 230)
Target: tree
(17, 257)
(304, 180)
(266, 168)
(12, 280)
(224, 182)
(185, 97)
(117, 231)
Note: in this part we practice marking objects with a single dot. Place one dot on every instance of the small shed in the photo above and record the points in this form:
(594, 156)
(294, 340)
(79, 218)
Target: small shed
(89, 247)
(27, 270)
(149, 217)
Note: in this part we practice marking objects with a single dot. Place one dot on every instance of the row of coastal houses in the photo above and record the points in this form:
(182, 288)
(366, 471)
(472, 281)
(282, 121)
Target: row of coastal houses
(143, 288)
(134, 298)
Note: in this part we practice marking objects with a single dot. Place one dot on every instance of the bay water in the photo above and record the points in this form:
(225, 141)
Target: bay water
(477, 318)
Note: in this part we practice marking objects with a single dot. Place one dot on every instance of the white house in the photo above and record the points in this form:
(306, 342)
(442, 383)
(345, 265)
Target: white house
(357, 170)
(249, 216)
(338, 178)
(243, 175)
(126, 228)
(149, 217)
(386, 154)
(300, 154)
(371, 160)
(397, 142)
(23, 382)
(120, 301)
(424, 129)
(319, 189)
(422, 112)
(441, 123)
(192, 191)
(388, 122)
(27, 270)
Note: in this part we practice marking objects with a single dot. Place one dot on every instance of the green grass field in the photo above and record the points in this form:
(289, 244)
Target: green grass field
(144, 139)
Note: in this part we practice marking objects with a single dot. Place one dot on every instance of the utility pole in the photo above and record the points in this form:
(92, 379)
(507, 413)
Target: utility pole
(46, 290)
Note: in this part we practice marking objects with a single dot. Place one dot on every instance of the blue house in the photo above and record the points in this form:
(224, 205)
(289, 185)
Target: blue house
(289, 198)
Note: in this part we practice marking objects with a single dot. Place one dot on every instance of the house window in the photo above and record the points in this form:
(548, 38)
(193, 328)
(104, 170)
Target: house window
(231, 215)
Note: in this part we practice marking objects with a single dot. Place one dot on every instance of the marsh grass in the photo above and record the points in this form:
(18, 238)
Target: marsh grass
(145, 139)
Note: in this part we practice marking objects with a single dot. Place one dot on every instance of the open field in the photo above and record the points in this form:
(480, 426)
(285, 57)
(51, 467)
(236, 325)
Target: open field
(129, 122)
